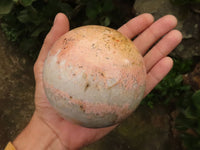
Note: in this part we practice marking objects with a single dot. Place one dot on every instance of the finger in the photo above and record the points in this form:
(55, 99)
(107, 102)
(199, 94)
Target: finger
(61, 26)
(144, 41)
(162, 48)
(157, 73)
(136, 25)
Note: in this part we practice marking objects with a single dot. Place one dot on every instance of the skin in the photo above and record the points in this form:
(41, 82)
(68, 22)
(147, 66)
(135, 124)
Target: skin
(47, 130)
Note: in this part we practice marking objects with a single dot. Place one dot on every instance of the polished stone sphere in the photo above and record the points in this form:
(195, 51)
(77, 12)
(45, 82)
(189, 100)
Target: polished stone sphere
(94, 76)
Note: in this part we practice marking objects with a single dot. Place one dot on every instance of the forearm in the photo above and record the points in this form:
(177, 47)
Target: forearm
(37, 135)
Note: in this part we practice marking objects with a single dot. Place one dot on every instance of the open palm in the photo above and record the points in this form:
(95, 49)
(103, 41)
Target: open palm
(145, 33)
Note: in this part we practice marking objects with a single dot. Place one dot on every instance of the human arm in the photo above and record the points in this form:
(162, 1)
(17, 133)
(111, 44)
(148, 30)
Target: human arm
(47, 128)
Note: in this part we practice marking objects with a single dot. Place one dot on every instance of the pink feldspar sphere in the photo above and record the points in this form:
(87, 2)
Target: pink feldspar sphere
(94, 76)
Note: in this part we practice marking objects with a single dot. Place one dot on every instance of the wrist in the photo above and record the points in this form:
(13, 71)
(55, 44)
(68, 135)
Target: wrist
(37, 135)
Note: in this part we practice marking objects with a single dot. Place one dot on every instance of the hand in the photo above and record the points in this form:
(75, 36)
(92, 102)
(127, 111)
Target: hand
(147, 32)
